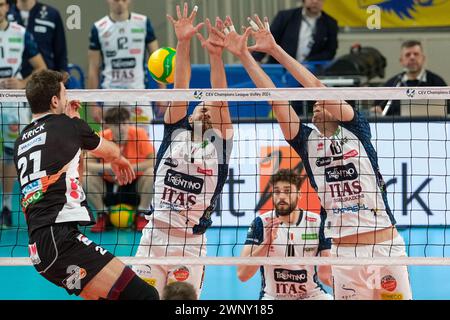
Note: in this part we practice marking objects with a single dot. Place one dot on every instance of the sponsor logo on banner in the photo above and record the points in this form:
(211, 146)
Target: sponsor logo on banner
(183, 182)
(181, 274)
(198, 94)
(34, 255)
(284, 275)
(389, 283)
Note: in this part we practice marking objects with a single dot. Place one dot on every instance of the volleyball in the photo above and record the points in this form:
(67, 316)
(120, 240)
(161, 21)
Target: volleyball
(161, 65)
(122, 215)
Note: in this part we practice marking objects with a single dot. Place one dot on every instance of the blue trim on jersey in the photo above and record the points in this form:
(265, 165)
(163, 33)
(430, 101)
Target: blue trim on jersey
(94, 40)
(255, 232)
(263, 283)
(324, 243)
(360, 127)
(150, 36)
(31, 49)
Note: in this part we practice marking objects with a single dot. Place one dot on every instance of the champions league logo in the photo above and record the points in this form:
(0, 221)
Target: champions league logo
(402, 8)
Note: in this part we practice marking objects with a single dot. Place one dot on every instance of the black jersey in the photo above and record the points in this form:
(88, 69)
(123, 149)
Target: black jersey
(47, 155)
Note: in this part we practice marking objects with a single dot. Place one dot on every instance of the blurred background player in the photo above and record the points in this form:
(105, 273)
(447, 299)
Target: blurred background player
(47, 155)
(101, 189)
(342, 167)
(288, 232)
(120, 44)
(191, 167)
(17, 47)
(45, 24)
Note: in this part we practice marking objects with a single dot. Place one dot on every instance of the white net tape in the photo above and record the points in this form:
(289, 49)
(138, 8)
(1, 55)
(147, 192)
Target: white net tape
(303, 94)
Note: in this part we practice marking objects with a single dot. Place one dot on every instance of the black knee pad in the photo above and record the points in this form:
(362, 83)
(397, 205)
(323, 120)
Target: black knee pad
(130, 287)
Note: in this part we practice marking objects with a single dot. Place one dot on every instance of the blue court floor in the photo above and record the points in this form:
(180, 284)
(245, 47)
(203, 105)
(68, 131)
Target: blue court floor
(221, 283)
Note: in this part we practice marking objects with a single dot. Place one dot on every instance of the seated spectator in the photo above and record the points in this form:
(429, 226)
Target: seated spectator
(306, 33)
(179, 291)
(101, 190)
(412, 59)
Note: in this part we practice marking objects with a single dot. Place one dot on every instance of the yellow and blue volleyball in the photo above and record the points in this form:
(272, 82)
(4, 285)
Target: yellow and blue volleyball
(122, 215)
(161, 65)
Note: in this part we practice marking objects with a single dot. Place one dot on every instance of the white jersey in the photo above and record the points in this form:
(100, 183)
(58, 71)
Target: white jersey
(189, 177)
(123, 47)
(305, 238)
(344, 171)
(16, 46)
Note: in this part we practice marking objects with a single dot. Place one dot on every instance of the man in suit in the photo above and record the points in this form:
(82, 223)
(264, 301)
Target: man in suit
(306, 33)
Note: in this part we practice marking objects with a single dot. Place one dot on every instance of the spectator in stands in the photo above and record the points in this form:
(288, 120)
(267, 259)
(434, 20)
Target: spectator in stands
(18, 46)
(45, 24)
(306, 33)
(414, 74)
(119, 46)
(179, 291)
(136, 147)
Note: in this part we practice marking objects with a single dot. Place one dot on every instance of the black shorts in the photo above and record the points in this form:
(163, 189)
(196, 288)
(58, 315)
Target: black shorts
(66, 257)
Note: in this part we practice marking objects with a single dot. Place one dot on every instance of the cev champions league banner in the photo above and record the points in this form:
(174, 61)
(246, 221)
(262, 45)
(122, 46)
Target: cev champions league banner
(393, 13)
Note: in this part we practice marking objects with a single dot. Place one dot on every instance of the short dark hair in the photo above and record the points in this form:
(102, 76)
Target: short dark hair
(411, 43)
(42, 87)
(179, 291)
(117, 115)
(286, 175)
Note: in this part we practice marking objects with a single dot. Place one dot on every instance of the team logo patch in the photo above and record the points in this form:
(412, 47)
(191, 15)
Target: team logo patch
(181, 274)
(388, 283)
(34, 255)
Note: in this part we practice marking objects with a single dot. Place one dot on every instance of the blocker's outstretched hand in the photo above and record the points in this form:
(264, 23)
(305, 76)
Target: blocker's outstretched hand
(184, 26)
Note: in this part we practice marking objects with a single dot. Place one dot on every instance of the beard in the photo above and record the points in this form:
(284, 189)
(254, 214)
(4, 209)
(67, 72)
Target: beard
(285, 211)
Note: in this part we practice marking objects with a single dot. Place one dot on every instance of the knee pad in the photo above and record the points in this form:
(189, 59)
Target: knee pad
(130, 287)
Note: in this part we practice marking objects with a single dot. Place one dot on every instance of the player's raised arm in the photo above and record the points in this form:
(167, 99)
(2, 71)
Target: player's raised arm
(237, 45)
(218, 110)
(184, 30)
(265, 42)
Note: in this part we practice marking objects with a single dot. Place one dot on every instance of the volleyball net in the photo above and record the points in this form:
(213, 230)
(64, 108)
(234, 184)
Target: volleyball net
(411, 139)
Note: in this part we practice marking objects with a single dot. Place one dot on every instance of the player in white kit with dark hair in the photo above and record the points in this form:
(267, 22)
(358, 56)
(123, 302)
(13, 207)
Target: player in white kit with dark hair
(342, 166)
(191, 167)
(288, 232)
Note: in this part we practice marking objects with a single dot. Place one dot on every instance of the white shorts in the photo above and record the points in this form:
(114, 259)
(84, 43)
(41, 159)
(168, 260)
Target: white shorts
(156, 244)
(371, 282)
